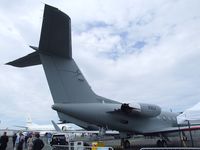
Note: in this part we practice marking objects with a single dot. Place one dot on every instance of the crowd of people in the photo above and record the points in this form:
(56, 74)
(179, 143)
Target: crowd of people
(30, 141)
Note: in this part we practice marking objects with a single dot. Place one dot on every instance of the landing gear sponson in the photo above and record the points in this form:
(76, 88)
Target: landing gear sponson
(125, 143)
(163, 141)
(102, 131)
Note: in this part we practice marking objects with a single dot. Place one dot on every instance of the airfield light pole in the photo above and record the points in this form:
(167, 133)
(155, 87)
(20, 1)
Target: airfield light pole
(190, 133)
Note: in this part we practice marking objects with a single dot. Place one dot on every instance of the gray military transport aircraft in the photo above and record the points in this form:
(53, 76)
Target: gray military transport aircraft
(75, 101)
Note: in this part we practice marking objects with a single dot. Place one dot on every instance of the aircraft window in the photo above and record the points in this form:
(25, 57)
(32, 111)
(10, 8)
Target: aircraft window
(164, 118)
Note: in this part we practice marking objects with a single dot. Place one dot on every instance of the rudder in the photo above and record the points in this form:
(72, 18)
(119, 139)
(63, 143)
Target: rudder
(55, 38)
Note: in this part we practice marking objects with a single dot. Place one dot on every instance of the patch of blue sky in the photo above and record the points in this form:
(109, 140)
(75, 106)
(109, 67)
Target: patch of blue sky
(139, 44)
(125, 49)
(135, 47)
(113, 54)
(89, 26)
(97, 24)
(123, 35)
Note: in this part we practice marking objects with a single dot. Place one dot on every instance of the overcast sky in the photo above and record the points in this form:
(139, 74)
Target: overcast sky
(128, 50)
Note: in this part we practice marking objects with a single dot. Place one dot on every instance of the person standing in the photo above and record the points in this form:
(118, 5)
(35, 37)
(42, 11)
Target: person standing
(25, 140)
(38, 144)
(30, 142)
(20, 141)
(3, 141)
(14, 137)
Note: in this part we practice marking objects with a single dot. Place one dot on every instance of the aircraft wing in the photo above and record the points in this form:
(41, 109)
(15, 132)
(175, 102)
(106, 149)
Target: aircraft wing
(23, 127)
(26, 129)
(57, 128)
(92, 132)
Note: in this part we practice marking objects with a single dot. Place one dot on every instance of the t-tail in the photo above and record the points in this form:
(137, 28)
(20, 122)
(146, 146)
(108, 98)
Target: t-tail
(66, 82)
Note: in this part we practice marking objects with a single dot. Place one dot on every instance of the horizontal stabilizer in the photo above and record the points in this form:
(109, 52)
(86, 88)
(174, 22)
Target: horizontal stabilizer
(34, 47)
(28, 60)
(55, 38)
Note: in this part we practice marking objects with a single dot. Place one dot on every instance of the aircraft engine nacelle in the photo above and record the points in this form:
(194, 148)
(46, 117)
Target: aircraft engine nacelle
(145, 110)
(64, 128)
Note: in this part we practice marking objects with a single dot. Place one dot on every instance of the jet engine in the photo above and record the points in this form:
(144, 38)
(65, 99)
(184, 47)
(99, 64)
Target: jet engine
(64, 128)
(145, 110)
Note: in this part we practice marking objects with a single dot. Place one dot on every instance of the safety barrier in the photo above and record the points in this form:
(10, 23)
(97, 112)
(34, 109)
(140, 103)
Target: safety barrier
(68, 147)
(171, 148)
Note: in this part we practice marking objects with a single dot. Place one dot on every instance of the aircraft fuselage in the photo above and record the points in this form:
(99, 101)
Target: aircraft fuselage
(100, 114)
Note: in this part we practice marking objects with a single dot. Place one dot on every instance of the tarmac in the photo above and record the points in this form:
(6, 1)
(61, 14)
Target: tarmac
(138, 142)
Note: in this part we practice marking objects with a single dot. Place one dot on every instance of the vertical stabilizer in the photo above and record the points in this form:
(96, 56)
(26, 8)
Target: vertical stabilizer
(28, 121)
(55, 38)
(66, 82)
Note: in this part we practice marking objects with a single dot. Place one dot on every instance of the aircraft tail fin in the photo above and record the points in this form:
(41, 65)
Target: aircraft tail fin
(28, 121)
(66, 82)
(55, 38)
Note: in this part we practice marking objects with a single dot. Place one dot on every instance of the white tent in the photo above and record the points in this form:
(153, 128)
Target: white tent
(192, 115)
